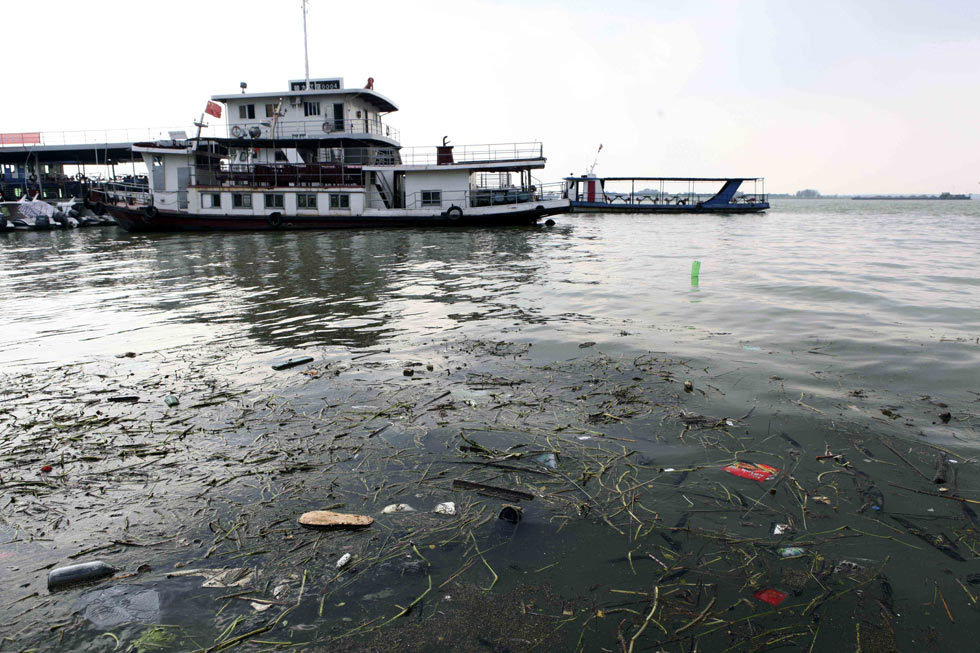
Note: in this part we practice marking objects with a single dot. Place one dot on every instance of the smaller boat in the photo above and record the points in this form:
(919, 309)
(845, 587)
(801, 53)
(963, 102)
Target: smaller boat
(664, 194)
(38, 215)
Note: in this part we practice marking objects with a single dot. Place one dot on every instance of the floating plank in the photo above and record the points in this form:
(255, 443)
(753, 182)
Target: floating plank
(328, 519)
(502, 493)
(292, 362)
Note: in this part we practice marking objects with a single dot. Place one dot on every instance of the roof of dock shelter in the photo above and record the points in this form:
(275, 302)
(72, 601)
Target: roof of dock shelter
(88, 153)
(586, 177)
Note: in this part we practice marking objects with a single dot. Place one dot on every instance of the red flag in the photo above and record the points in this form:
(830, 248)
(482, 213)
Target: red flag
(214, 109)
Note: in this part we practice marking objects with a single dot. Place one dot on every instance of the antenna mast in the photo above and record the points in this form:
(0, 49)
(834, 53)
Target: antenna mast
(306, 50)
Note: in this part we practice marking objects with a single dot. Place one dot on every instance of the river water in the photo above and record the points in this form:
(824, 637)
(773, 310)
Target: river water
(834, 322)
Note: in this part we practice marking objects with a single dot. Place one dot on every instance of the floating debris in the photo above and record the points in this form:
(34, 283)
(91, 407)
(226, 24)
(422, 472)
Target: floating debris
(489, 490)
(171, 400)
(79, 573)
(511, 513)
(344, 561)
(329, 519)
(547, 459)
(292, 362)
(447, 508)
(771, 596)
(397, 507)
(237, 577)
(753, 471)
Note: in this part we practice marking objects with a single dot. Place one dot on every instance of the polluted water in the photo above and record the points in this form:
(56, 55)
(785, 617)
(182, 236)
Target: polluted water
(693, 479)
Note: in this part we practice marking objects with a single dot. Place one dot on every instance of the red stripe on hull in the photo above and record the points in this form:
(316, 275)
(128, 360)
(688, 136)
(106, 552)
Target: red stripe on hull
(137, 220)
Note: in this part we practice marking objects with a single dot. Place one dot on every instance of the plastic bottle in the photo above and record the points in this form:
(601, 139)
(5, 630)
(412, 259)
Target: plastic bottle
(63, 576)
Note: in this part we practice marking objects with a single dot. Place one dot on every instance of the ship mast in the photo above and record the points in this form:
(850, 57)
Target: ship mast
(306, 51)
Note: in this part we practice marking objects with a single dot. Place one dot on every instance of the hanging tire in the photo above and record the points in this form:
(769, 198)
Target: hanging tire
(99, 209)
(150, 211)
(454, 213)
(275, 220)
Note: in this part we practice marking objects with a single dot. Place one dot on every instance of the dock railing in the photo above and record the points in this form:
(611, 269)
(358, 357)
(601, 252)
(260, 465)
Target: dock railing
(97, 136)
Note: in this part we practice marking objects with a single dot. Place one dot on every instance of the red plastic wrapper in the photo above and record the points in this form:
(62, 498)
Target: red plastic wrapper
(772, 597)
(47, 468)
(754, 471)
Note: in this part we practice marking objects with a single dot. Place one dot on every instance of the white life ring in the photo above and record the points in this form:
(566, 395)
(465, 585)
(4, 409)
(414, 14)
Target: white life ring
(237, 131)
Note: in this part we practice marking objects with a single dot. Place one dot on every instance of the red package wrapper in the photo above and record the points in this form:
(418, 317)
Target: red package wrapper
(772, 597)
(754, 471)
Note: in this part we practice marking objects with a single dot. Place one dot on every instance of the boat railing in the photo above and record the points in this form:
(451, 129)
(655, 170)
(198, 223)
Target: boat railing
(476, 197)
(676, 199)
(259, 129)
(312, 128)
(123, 192)
(278, 174)
(488, 153)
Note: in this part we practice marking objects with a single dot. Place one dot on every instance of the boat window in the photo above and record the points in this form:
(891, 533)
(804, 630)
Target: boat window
(339, 201)
(270, 109)
(281, 157)
(210, 200)
(432, 198)
(241, 200)
(306, 201)
(311, 108)
(274, 200)
(243, 156)
(246, 111)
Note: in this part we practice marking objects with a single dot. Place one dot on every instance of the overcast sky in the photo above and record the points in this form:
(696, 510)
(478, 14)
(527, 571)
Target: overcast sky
(842, 96)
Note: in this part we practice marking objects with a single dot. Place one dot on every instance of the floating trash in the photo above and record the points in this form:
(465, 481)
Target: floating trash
(547, 459)
(754, 471)
(121, 604)
(780, 529)
(489, 490)
(770, 596)
(397, 507)
(236, 577)
(447, 508)
(791, 552)
(79, 573)
(512, 514)
(344, 561)
(171, 400)
(292, 362)
(328, 519)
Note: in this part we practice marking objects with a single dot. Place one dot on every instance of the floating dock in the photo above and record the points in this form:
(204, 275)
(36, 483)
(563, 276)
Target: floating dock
(665, 194)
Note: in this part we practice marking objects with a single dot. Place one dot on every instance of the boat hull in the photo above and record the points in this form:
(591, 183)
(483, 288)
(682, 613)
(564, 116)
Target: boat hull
(139, 220)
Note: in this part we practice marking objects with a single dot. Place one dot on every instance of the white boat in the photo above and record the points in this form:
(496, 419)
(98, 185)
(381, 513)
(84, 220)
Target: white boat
(320, 155)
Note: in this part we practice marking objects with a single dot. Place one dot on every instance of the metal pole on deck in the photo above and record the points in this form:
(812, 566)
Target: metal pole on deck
(306, 51)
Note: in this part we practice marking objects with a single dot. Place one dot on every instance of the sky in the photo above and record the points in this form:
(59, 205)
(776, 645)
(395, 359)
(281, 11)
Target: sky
(855, 96)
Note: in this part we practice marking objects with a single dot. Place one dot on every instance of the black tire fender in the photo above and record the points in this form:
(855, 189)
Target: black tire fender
(454, 212)
(99, 209)
(150, 211)
(275, 220)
